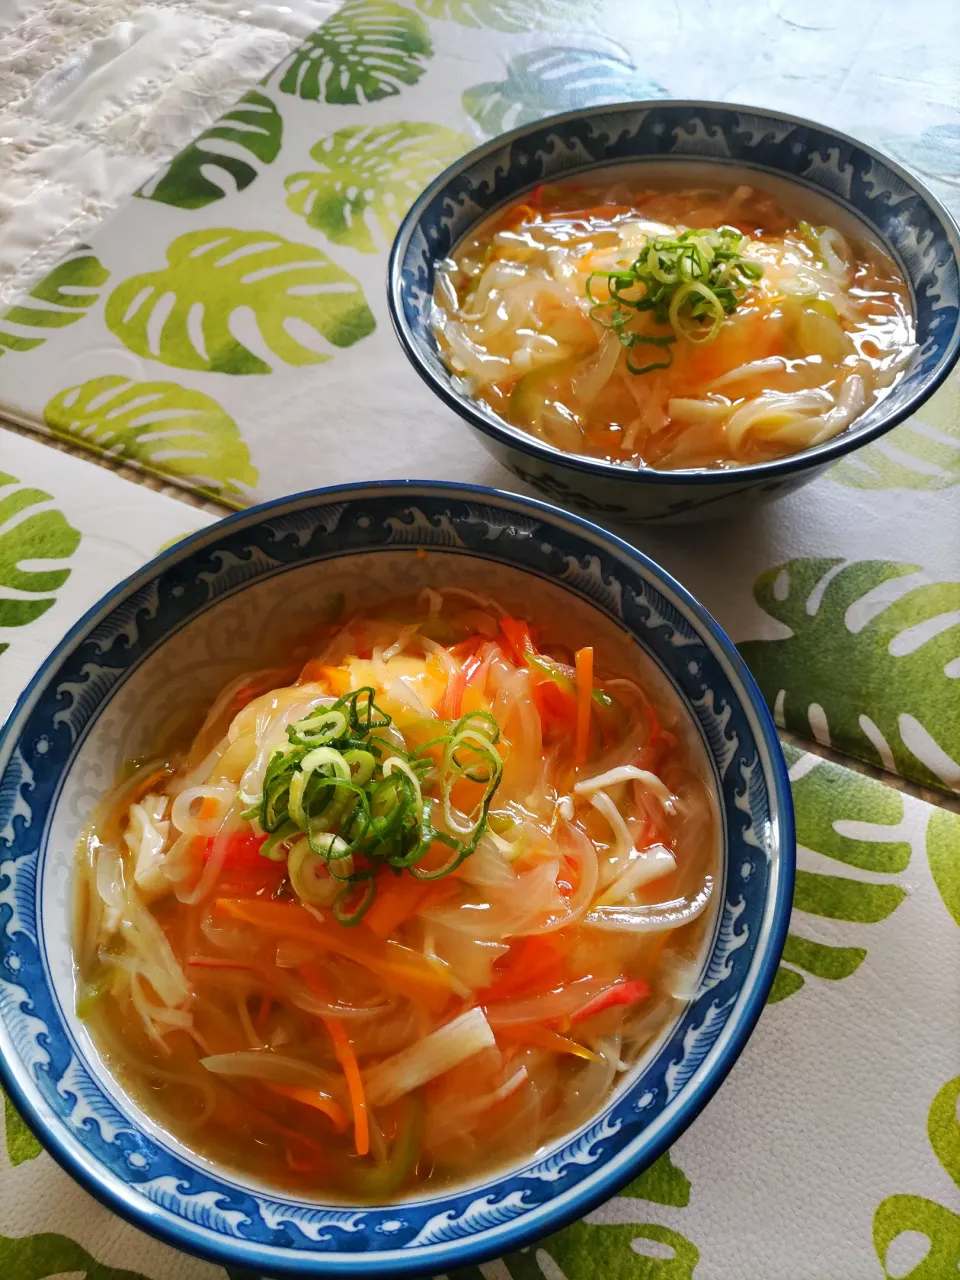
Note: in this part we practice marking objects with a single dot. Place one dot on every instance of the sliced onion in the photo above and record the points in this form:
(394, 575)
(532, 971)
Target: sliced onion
(580, 850)
(623, 842)
(143, 1008)
(591, 380)
(543, 1008)
(469, 960)
(401, 642)
(488, 864)
(202, 771)
(183, 818)
(835, 252)
(432, 1056)
(398, 688)
(111, 884)
(656, 918)
(149, 943)
(530, 906)
(211, 872)
(437, 650)
(266, 1064)
(628, 773)
(643, 867)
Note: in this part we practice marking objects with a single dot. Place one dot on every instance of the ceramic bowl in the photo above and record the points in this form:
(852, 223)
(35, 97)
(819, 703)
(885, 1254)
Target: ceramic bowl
(854, 185)
(169, 637)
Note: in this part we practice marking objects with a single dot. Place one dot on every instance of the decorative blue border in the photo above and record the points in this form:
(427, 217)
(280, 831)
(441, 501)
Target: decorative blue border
(107, 1147)
(894, 204)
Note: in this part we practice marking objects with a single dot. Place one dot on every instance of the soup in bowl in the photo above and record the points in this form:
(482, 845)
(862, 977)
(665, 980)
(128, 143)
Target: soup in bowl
(396, 870)
(671, 328)
(659, 310)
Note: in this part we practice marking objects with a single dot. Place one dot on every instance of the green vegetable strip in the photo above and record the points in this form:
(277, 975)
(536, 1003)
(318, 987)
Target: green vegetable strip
(358, 798)
(690, 284)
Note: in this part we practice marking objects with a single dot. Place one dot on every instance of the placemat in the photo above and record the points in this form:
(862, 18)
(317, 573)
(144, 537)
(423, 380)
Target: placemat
(832, 1151)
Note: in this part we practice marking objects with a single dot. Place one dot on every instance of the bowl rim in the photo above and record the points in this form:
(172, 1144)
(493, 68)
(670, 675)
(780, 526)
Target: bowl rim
(550, 1217)
(504, 433)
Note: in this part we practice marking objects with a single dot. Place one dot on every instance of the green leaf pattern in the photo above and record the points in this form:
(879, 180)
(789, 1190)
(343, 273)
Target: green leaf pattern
(943, 855)
(186, 314)
(938, 1226)
(369, 50)
(863, 669)
(21, 1144)
(368, 177)
(922, 454)
(223, 158)
(826, 797)
(53, 1257)
(555, 79)
(159, 425)
(30, 532)
(586, 1251)
(511, 15)
(60, 298)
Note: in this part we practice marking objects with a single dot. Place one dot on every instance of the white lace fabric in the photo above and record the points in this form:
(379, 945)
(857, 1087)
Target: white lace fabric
(97, 94)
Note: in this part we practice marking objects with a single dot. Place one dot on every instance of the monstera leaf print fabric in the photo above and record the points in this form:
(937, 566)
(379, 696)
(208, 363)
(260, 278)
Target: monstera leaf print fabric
(228, 331)
(69, 531)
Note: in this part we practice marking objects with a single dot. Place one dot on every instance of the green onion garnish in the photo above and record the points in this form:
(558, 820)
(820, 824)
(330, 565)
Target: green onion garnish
(358, 800)
(689, 284)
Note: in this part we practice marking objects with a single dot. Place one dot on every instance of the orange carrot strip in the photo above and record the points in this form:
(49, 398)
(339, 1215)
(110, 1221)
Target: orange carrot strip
(351, 1070)
(516, 632)
(219, 962)
(337, 679)
(398, 898)
(313, 1098)
(584, 661)
(407, 971)
(541, 1038)
(347, 1059)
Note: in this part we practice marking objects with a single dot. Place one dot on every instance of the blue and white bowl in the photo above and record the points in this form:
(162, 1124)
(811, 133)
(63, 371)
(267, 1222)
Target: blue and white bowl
(171, 635)
(849, 180)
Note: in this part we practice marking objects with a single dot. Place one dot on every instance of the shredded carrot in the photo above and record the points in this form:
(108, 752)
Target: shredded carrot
(398, 898)
(351, 1070)
(347, 1059)
(584, 664)
(209, 808)
(337, 679)
(219, 962)
(316, 1099)
(401, 897)
(541, 1038)
(516, 632)
(517, 215)
(408, 971)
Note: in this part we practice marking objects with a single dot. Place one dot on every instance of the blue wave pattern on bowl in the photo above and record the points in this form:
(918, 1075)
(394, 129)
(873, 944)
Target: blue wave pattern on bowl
(920, 232)
(210, 1213)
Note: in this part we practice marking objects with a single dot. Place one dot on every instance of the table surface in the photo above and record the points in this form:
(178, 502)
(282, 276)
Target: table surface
(833, 1150)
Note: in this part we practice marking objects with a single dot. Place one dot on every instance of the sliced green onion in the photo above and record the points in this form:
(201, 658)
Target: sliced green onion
(310, 875)
(691, 296)
(690, 282)
(339, 800)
